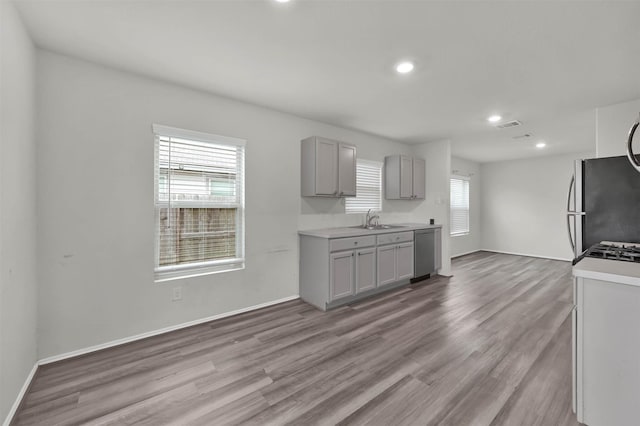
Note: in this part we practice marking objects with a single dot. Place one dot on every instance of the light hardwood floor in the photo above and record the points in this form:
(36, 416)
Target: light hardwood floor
(489, 346)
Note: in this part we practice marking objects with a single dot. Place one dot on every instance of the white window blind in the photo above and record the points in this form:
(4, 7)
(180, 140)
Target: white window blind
(459, 205)
(368, 188)
(199, 200)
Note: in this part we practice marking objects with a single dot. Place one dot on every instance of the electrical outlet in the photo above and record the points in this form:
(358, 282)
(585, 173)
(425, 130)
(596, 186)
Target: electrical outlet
(177, 294)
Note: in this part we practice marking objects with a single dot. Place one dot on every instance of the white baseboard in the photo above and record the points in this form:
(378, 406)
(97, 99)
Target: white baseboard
(465, 253)
(129, 339)
(23, 391)
(528, 255)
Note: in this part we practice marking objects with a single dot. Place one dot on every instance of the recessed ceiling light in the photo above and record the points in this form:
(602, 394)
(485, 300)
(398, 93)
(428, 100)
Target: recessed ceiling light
(541, 145)
(494, 119)
(404, 67)
(283, 1)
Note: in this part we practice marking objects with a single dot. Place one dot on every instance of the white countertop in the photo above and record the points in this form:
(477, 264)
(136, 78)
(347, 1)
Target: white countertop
(344, 232)
(608, 270)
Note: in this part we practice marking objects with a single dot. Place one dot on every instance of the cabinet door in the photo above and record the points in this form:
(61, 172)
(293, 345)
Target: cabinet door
(365, 269)
(608, 370)
(404, 261)
(419, 176)
(386, 264)
(346, 170)
(406, 177)
(326, 167)
(341, 269)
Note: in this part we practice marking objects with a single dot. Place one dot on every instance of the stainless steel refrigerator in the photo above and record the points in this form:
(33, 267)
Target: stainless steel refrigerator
(603, 203)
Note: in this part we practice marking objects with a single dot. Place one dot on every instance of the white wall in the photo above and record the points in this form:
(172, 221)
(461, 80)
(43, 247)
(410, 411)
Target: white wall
(612, 128)
(524, 205)
(436, 204)
(470, 242)
(18, 291)
(96, 227)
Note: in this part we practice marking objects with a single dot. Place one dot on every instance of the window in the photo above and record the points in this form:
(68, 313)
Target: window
(459, 205)
(368, 188)
(199, 203)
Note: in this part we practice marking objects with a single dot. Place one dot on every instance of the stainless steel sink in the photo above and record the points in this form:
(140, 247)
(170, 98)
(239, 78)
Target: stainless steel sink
(378, 227)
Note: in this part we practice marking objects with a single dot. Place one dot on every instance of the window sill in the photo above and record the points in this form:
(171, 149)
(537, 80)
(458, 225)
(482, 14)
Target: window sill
(170, 273)
(461, 234)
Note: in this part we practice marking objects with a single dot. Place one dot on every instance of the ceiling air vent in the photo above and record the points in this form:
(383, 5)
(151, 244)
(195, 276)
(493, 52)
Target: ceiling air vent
(508, 124)
(526, 135)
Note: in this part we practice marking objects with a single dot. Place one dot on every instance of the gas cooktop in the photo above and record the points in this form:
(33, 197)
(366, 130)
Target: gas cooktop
(627, 252)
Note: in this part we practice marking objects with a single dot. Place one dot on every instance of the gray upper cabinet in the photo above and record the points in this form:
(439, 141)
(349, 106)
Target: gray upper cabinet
(346, 170)
(419, 178)
(325, 167)
(404, 177)
(328, 168)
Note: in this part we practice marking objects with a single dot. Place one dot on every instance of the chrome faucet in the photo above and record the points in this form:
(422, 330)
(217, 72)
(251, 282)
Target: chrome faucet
(369, 218)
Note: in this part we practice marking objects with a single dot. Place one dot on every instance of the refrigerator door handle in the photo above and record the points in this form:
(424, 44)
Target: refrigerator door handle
(632, 157)
(569, 213)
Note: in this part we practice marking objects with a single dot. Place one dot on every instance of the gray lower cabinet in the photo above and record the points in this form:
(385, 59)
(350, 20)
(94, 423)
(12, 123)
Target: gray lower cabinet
(386, 264)
(395, 263)
(341, 267)
(335, 271)
(365, 269)
(404, 261)
(352, 272)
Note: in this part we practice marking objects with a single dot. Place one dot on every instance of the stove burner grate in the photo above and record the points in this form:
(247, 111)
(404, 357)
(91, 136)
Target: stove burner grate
(626, 252)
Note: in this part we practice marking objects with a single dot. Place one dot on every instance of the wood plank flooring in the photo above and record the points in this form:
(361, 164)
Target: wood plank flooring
(489, 346)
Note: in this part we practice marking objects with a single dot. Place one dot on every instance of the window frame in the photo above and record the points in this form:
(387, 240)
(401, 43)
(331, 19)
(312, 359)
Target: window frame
(194, 269)
(365, 163)
(467, 231)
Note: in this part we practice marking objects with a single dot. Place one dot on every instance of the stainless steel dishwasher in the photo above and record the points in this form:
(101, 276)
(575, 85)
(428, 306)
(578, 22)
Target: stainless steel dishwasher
(424, 262)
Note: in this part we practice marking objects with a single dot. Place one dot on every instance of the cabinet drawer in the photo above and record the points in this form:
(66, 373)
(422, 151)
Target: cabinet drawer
(351, 243)
(397, 237)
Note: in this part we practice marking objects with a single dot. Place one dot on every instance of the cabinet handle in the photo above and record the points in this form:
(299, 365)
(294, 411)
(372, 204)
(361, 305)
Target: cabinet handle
(335, 192)
(355, 243)
(341, 192)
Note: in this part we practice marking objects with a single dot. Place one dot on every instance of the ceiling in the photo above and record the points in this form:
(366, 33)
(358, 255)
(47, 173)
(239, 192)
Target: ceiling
(547, 64)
